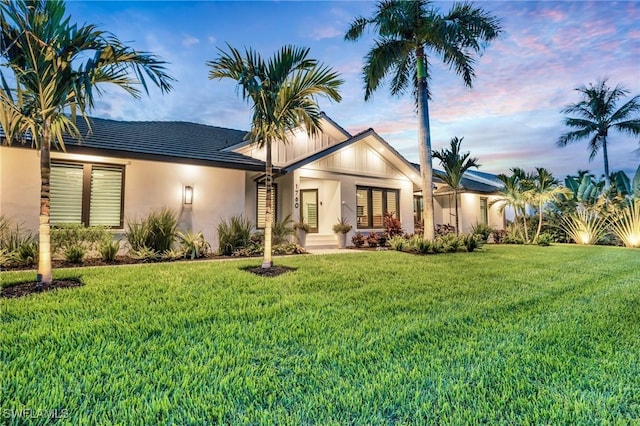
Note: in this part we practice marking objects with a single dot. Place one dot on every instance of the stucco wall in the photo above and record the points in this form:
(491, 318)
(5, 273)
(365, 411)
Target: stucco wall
(149, 185)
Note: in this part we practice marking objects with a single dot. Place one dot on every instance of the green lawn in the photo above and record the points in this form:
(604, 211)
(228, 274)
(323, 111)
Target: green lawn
(506, 335)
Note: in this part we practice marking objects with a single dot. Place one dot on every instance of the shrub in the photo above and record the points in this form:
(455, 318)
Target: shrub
(423, 246)
(625, 224)
(398, 243)
(108, 249)
(483, 230)
(372, 239)
(144, 254)
(302, 226)
(290, 248)
(342, 227)
(545, 239)
(498, 235)
(358, 239)
(27, 252)
(513, 235)
(392, 225)
(74, 253)
(66, 236)
(158, 231)
(281, 231)
(193, 245)
(585, 226)
(450, 243)
(472, 241)
(234, 234)
(173, 254)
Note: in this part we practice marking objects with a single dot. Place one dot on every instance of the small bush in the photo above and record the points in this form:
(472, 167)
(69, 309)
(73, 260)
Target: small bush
(444, 229)
(483, 230)
(173, 254)
(234, 234)
(498, 235)
(27, 252)
(108, 249)
(450, 243)
(358, 239)
(392, 225)
(193, 245)
(342, 227)
(74, 254)
(144, 254)
(423, 246)
(472, 241)
(158, 231)
(545, 239)
(372, 239)
(66, 236)
(281, 231)
(398, 243)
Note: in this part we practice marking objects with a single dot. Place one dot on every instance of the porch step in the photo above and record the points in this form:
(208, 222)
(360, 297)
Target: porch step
(320, 241)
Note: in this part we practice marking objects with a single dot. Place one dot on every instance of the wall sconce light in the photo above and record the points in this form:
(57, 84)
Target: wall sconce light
(188, 195)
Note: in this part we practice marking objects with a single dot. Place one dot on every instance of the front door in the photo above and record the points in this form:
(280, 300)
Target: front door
(309, 208)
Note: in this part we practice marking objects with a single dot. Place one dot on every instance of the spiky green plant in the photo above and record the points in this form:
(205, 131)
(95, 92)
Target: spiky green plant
(625, 223)
(234, 234)
(193, 245)
(585, 226)
(282, 230)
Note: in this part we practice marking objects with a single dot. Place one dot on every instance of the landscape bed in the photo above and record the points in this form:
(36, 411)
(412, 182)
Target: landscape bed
(507, 335)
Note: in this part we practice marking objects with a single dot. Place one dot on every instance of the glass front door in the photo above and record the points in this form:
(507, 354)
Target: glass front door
(309, 208)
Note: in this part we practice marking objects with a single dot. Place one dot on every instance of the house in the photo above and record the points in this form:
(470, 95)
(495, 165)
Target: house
(124, 170)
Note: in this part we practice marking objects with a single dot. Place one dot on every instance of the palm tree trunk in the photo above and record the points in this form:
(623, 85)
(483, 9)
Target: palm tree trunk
(524, 221)
(267, 261)
(45, 273)
(606, 161)
(455, 194)
(539, 223)
(424, 144)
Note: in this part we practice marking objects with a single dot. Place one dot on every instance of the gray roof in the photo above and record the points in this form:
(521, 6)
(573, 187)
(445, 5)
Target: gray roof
(472, 181)
(173, 141)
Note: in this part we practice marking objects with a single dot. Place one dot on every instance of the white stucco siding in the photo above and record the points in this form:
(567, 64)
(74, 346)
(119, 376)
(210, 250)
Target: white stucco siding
(148, 185)
(20, 186)
(217, 193)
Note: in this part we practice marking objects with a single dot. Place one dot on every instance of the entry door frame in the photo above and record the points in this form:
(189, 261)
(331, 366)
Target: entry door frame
(306, 193)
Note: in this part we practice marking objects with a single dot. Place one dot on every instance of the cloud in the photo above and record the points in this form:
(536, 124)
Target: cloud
(326, 32)
(189, 41)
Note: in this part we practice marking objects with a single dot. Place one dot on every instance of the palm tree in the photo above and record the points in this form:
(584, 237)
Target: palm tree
(514, 196)
(597, 114)
(407, 32)
(282, 92)
(544, 189)
(454, 164)
(59, 68)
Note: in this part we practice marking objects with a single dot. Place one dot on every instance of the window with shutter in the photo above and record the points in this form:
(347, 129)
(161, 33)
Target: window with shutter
(88, 194)
(262, 204)
(373, 203)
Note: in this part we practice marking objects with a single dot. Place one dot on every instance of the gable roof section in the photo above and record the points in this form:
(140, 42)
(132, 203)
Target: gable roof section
(171, 141)
(356, 138)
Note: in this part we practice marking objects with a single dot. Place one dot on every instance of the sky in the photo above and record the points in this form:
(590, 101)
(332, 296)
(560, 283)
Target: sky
(510, 118)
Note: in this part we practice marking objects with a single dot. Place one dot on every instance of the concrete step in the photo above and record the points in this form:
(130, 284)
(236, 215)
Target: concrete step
(321, 241)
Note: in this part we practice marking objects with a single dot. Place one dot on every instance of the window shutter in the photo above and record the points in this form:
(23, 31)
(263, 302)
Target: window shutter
(106, 196)
(392, 203)
(262, 204)
(362, 207)
(377, 209)
(66, 193)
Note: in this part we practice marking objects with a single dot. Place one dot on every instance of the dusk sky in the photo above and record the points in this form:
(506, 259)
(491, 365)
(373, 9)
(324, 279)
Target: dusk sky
(510, 118)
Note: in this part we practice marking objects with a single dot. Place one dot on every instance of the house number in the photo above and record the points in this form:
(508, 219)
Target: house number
(295, 205)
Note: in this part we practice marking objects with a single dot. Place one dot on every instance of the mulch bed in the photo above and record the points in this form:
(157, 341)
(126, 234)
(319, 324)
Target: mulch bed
(25, 289)
(274, 271)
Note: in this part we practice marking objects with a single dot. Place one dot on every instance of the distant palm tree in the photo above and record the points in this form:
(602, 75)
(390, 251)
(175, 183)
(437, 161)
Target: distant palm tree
(407, 31)
(455, 164)
(59, 68)
(598, 113)
(514, 195)
(544, 189)
(282, 92)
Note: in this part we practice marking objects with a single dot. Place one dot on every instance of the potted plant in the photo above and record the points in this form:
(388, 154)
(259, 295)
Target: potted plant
(341, 229)
(301, 230)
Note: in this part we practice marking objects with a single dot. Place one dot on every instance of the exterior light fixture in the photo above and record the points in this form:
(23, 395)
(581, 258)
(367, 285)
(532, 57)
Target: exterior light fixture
(188, 195)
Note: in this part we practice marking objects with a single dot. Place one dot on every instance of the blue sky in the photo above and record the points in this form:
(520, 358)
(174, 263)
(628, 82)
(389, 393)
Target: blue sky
(510, 118)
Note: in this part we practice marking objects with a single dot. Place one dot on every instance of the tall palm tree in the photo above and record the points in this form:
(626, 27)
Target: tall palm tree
(598, 113)
(408, 31)
(544, 188)
(454, 163)
(283, 91)
(59, 68)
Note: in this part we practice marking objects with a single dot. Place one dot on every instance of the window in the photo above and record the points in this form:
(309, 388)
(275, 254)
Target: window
(88, 194)
(262, 204)
(484, 211)
(418, 207)
(372, 203)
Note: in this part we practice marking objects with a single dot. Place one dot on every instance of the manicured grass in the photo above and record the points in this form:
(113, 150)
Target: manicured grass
(507, 335)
